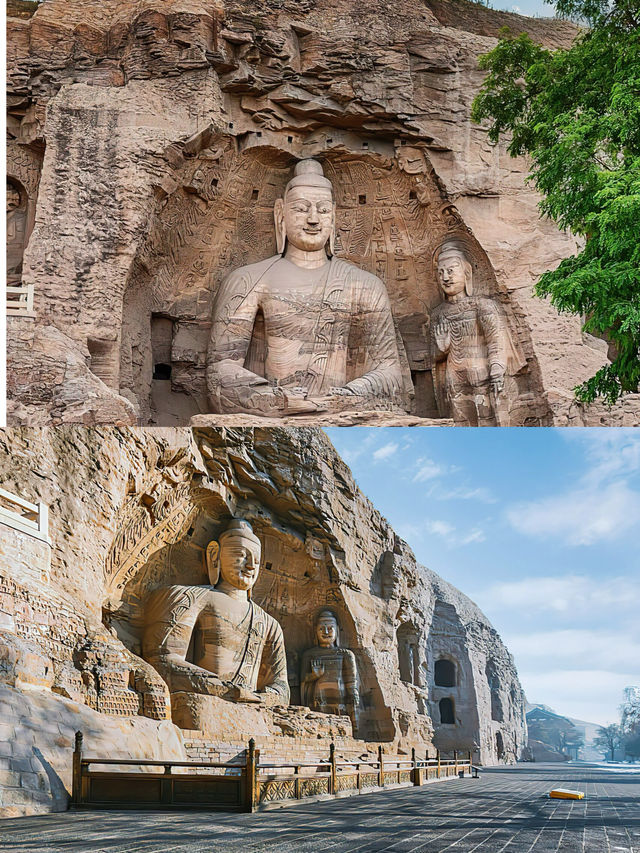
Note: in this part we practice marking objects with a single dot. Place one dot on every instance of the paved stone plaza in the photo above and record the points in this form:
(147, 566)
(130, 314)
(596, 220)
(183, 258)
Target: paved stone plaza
(505, 810)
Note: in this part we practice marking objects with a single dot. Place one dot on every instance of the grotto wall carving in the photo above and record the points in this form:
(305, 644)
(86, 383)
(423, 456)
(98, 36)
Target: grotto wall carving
(167, 132)
(132, 514)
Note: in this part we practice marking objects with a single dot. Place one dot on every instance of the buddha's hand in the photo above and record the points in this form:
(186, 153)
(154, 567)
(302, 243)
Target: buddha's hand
(295, 401)
(317, 668)
(496, 378)
(209, 683)
(243, 694)
(442, 335)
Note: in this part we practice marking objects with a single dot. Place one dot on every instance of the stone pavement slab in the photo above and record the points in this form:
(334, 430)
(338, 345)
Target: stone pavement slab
(505, 811)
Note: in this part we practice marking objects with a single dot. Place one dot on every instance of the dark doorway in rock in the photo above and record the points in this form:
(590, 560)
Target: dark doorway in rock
(161, 341)
(499, 745)
(162, 371)
(447, 712)
(445, 673)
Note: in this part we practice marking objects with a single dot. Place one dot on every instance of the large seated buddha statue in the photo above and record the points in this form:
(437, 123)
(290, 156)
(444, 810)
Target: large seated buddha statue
(213, 639)
(303, 331)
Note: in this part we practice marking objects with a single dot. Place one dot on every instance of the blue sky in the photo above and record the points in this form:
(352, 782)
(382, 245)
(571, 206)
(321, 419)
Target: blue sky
(534, 8)
(540, 527)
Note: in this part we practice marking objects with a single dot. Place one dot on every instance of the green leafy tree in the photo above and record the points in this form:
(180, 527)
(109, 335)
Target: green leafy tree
(608, 739)
(576, 113)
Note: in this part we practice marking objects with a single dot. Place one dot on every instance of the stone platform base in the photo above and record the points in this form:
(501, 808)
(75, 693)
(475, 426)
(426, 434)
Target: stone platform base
(335, 419)
(238, 722)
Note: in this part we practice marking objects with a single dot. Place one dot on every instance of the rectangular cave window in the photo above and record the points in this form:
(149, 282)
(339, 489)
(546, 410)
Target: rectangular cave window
(161, 341)
(365, 144)
(362, 199)
(214, 182)
(258, 133)
(329, 140)
(413, 194)
(445, 673)
(254, 195)
(289, 138)
(162, 371)
(447, 712)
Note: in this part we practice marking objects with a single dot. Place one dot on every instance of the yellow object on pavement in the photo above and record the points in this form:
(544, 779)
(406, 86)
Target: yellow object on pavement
(563, 794)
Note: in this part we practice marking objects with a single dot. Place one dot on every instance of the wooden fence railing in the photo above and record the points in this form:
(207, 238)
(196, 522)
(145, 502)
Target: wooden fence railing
(247, 785)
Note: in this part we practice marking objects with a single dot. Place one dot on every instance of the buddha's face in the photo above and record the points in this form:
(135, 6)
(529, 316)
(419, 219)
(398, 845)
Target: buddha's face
(13, 198)
(308, 217)
(239, 561)
(327, 631)
(452, 275)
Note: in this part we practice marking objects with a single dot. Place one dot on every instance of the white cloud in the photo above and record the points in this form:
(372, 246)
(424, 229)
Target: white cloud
(475, 535)
(580, 517)
(606, 650)
(439, 528)
(427, 470)
(575, 594)
(385, 451)
(462, 493)
(592, 695)
(608, 452)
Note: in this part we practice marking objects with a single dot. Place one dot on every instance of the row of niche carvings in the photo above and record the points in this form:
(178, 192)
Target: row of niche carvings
(188, 629)
(391, 219)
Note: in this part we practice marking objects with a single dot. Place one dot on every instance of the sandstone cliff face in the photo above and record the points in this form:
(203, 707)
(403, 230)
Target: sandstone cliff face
(150, 141)
(131, 510)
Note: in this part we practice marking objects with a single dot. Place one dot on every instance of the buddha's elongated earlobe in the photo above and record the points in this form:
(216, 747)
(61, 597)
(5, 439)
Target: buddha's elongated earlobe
(281, 231)
(468, 278)
(213, 562)
(332, 236)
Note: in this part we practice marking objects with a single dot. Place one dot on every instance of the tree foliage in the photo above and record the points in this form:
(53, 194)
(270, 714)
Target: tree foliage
(576, 113)
(608, 739)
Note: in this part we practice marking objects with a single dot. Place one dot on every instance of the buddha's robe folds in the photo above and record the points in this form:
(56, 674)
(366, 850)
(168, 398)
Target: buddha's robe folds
(280, 326)
(193, 633)
(335, 689)
(481, 347)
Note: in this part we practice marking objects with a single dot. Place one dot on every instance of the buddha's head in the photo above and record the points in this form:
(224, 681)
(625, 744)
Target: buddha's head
(455, 273)
(305, 216)
(327, 629)
(13, 197)
(235, 558)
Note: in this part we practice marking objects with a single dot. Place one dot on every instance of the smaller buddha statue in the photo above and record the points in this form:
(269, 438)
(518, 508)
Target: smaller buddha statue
(213, 639)
(329, 673)
(471, 345)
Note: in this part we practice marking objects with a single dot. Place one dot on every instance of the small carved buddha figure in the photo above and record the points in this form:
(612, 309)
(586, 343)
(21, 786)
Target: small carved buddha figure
(471, 346)
(302, 332)
(329, 674)
(214, 639)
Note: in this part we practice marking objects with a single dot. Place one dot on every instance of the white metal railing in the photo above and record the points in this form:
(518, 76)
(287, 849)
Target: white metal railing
(24, 516)
(20, 300)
